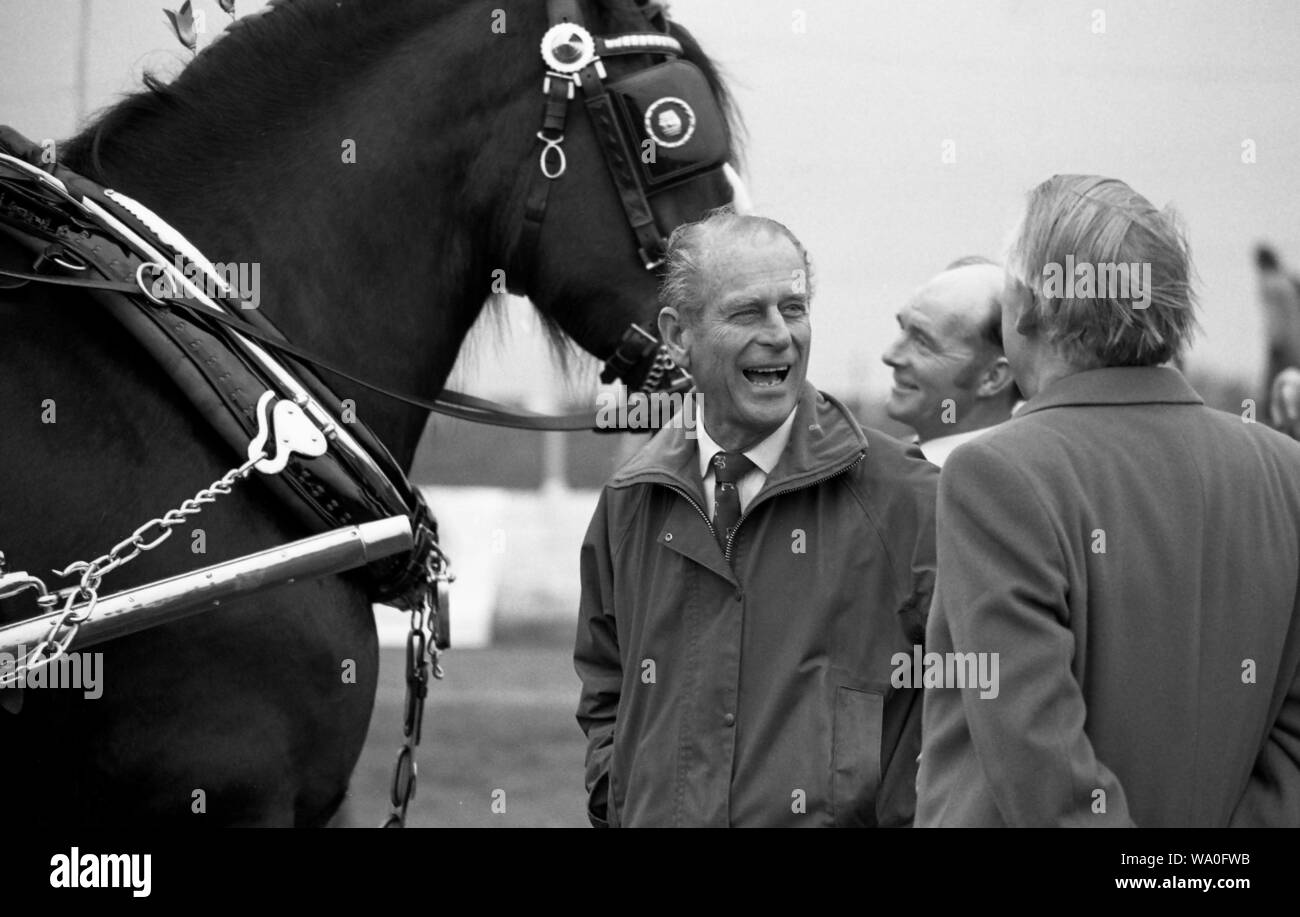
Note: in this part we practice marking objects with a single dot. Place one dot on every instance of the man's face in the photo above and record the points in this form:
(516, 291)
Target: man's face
(938, 356)
(748, 346)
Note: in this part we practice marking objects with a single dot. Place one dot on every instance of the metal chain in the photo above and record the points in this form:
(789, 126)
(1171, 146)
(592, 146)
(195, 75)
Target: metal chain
(662, 364)
(421, 640)
(421, 649)
(42, 655)
(137, 542)
(145, 538)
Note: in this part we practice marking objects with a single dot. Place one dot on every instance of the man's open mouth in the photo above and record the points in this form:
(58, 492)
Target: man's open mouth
(768, 375)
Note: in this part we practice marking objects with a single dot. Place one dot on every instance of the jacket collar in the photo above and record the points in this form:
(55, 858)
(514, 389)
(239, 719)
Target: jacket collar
(765, 455)
(1115, 385)
(824, 439)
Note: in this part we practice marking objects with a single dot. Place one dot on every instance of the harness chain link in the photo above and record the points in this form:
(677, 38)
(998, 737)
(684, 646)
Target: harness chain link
(53, 646)
(421, 647)
(421, 639)
(662, 364)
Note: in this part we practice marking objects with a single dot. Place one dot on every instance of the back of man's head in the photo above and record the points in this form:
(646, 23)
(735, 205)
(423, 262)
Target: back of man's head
(1111, 276)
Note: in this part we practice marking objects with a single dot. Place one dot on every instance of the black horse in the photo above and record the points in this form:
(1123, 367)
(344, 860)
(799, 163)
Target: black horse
(380, 264)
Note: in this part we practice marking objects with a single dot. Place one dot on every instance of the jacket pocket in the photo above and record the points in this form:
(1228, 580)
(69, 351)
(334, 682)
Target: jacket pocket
(855, 756)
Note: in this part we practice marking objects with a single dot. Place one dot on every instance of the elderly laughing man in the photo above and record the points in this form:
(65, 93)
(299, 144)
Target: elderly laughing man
(744, 592)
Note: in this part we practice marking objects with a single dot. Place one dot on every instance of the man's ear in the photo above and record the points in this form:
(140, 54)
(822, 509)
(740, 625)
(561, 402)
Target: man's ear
(995, 379)
(676, 336)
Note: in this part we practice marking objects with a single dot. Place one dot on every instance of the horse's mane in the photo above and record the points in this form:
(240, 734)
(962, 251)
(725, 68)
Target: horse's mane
(240, 70)
(245, 67)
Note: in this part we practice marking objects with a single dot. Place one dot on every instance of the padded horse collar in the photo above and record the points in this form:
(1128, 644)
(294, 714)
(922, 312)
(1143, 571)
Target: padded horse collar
(83, 229)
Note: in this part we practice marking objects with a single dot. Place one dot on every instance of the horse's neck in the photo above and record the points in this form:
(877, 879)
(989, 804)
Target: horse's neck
(369, 247)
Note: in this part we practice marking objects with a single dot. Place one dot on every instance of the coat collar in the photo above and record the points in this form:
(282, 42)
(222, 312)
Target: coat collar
(1115, 385)
(765, 455)
(825, 437)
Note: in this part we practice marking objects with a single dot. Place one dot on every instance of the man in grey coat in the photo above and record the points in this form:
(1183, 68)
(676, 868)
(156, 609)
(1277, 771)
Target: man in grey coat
(744, 591)
(1128, 555)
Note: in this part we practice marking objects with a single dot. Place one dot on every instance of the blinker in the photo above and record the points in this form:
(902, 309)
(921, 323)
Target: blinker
(671, 106)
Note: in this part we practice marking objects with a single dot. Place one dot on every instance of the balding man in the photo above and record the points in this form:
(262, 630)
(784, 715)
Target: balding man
(742, 592)
(951, 377)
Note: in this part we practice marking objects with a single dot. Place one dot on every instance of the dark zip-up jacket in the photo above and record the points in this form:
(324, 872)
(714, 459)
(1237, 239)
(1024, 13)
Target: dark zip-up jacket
(754, 687)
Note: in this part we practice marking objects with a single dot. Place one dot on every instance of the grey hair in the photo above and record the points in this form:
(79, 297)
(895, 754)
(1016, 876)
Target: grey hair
(682, 288)
(1104, 221)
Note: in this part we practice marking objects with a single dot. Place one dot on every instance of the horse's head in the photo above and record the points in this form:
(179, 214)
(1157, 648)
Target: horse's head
(629, 136)
(452, 195)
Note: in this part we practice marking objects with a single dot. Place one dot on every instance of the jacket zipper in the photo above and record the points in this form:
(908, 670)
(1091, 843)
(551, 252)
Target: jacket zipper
(778, 492)
(699, 509)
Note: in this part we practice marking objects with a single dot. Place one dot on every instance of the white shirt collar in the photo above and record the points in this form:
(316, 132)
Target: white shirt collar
(937, 450)
(765, 455)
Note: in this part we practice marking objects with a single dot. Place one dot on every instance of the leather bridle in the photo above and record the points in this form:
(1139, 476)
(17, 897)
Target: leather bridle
(574, 61)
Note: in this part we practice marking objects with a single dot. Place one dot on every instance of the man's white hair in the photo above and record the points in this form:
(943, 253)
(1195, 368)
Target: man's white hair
(1102, 221)
(682, 288)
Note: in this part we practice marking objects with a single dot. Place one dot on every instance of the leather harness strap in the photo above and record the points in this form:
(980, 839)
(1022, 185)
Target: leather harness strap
(449, 403)
(650, 242)
(554, 113)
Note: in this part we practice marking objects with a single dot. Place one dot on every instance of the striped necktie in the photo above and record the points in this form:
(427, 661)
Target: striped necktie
(728, 469)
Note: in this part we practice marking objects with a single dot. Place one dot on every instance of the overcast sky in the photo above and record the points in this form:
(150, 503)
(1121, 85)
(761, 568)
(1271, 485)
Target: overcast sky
(848, 121)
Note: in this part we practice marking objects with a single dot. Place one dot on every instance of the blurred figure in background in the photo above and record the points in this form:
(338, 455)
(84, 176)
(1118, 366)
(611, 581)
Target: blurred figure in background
(1279, 292)
(1284, 402)
(1129, 554)
(951, 377)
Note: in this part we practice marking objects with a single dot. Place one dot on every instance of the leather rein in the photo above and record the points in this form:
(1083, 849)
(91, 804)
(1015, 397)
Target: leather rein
(449, 403)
